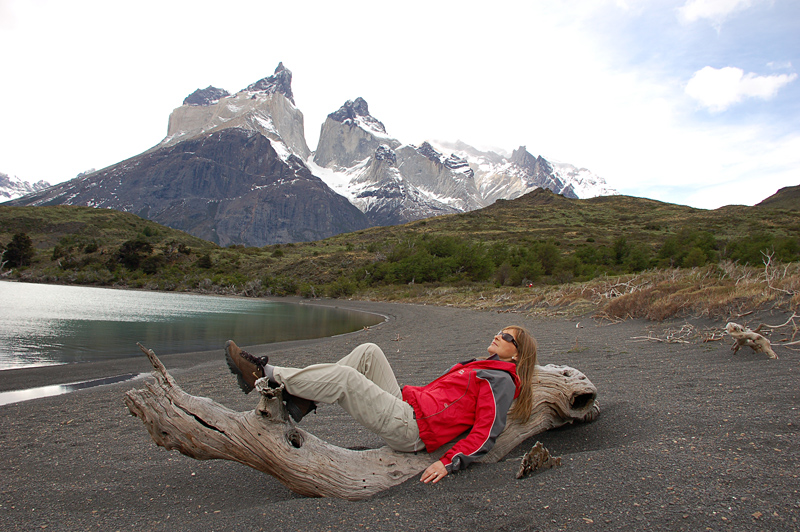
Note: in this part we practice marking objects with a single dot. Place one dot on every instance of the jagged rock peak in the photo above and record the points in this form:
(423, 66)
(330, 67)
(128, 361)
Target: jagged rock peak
(459, 164)
(208, 96)
(428, 151)
(454, 161)
(522, 157)
(280, 81)
(385, 153)
(357, 111)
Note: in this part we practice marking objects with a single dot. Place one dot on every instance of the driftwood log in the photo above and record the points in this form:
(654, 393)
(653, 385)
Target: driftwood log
(743, 336)
(265, 439)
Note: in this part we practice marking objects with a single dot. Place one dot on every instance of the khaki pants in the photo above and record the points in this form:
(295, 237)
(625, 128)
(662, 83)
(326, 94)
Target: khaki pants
(364, 385)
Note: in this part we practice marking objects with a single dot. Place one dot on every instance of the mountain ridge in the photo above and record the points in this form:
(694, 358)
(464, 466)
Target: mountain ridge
(356, 161)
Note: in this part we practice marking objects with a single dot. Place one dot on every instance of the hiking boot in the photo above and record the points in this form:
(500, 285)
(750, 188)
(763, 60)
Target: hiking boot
(297, 407)
(247, 368)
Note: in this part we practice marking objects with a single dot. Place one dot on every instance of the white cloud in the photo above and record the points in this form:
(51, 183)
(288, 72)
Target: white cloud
(744, 170)
(716, 11)
(780, 65)
(7, 20)
(718, 89)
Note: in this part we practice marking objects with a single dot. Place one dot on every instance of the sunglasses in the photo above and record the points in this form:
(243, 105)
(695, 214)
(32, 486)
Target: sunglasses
(508, 338)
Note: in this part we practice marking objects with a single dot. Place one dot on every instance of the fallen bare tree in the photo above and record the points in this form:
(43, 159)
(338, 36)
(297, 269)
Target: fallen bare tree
(266, 440)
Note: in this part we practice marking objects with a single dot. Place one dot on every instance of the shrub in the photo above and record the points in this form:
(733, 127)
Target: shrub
(151, 265)
(204, 262)
(548, 254)
(696, 257)
(503, 274)
(307, 290)
(748, 250)
(19, 251)
(58, 252)
(341, 288)
(132, 252)
(636, 259)
(699, 244)
(427, 258)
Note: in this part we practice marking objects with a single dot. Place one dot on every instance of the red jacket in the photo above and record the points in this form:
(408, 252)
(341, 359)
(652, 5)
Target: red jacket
(472, 396)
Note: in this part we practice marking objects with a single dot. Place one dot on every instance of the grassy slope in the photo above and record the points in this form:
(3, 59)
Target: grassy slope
(307, 267)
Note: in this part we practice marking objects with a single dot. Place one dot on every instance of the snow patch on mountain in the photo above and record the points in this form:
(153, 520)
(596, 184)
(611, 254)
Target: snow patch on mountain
(584, 183)
(12, 187)
(343, 182)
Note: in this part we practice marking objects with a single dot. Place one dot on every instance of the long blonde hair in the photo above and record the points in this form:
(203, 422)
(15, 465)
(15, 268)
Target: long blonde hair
(526, 369)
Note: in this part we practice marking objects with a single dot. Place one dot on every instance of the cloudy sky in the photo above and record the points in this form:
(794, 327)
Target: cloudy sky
(695, 102)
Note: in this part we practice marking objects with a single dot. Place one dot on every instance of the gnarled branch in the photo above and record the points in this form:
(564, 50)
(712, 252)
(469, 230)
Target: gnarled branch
(743, 336)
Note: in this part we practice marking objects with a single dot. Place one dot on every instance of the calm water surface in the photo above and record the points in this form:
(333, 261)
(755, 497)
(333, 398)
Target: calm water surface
(50, 324)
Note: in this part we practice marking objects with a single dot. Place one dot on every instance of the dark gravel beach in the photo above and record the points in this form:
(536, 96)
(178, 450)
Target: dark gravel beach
(691, 437)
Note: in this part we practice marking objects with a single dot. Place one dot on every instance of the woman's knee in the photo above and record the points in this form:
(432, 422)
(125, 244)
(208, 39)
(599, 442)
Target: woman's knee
(372, 350)
(362, 356)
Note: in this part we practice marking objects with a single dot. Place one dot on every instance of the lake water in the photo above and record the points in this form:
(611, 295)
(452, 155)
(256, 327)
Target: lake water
(52, 324)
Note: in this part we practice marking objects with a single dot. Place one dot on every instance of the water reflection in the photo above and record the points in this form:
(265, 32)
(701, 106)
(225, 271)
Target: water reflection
(46, 324)
(17, 396)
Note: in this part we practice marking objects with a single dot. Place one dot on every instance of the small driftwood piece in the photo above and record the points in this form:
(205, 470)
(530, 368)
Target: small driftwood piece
(743, 336)
(266, 440)
(537, 458)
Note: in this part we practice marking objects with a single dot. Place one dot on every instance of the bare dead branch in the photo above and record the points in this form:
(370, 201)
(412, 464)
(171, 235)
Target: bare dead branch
(769, 276)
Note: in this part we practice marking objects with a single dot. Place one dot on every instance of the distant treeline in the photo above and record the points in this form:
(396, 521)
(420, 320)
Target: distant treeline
(154, 260)
(450, 259)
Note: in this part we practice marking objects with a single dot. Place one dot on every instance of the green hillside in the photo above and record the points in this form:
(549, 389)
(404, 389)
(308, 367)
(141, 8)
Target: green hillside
(540, 241)
(785, 198)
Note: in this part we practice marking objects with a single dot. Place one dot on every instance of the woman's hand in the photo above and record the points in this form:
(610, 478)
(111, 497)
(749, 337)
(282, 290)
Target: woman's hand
(435, 472)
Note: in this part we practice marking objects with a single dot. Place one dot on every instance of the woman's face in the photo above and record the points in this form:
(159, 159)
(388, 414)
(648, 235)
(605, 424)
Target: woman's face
(501, 347)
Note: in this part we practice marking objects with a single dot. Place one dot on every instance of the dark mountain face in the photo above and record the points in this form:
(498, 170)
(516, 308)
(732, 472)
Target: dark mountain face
(280, 81)
(354, 110)
(209, 95)
(229, 187)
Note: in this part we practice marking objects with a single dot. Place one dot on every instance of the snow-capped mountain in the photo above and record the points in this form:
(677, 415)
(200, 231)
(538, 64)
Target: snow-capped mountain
(584, 183)
(229, 171)
(12, 187)
(388, 181)
(392, 182)
(236, 168)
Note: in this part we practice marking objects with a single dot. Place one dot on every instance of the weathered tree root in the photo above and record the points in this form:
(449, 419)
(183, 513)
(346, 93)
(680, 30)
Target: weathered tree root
(266, 440)
(537, 458)
(743, 336)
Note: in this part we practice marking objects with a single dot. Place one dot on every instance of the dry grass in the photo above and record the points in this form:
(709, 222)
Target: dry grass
(723, 292)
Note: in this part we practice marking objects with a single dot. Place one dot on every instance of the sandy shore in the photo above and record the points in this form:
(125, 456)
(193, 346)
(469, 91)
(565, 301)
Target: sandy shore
(690, 438)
